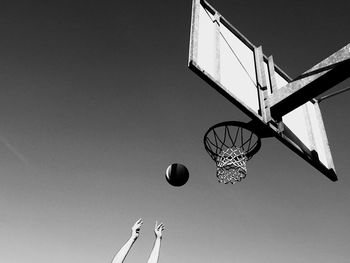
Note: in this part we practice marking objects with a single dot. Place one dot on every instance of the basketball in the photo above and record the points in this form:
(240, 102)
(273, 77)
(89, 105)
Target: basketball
(177, 174)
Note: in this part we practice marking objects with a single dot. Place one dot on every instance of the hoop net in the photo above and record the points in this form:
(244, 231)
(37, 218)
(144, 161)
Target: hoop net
(231, 145)
(231, 166)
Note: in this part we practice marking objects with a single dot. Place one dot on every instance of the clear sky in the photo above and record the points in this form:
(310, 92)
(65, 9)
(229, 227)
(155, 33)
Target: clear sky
(96, 100)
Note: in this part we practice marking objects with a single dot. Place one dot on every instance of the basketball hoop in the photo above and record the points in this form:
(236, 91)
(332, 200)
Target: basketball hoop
(230, 145)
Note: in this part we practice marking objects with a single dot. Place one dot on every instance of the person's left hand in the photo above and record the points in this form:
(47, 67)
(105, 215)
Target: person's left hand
(135, 230)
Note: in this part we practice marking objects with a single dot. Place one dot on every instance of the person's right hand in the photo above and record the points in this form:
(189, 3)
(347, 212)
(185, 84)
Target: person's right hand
(135, 230)
(158, 229)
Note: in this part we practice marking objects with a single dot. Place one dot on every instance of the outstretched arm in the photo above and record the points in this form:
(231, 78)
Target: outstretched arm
(153, 258)
(122, 253)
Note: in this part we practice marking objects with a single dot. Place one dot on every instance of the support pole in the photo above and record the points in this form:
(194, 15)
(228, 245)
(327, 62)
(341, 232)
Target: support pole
(262, 86)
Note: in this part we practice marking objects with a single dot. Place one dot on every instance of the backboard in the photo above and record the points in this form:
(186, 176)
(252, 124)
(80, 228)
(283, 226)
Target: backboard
(237, 69)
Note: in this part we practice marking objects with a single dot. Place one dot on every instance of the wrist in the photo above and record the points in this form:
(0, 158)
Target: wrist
(133, 238)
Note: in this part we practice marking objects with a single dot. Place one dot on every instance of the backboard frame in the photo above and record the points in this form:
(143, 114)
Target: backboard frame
(264, 122)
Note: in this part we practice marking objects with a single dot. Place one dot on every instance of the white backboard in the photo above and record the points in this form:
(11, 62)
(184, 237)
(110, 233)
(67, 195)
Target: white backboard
(225, 59)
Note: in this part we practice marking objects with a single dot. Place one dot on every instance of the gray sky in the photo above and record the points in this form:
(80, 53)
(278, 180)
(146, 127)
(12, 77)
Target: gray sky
(97, 100)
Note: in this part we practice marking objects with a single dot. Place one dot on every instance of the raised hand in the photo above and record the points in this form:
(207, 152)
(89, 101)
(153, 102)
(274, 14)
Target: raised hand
(153, 258)
(135, 230)
(158, 229)
(123, 252)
